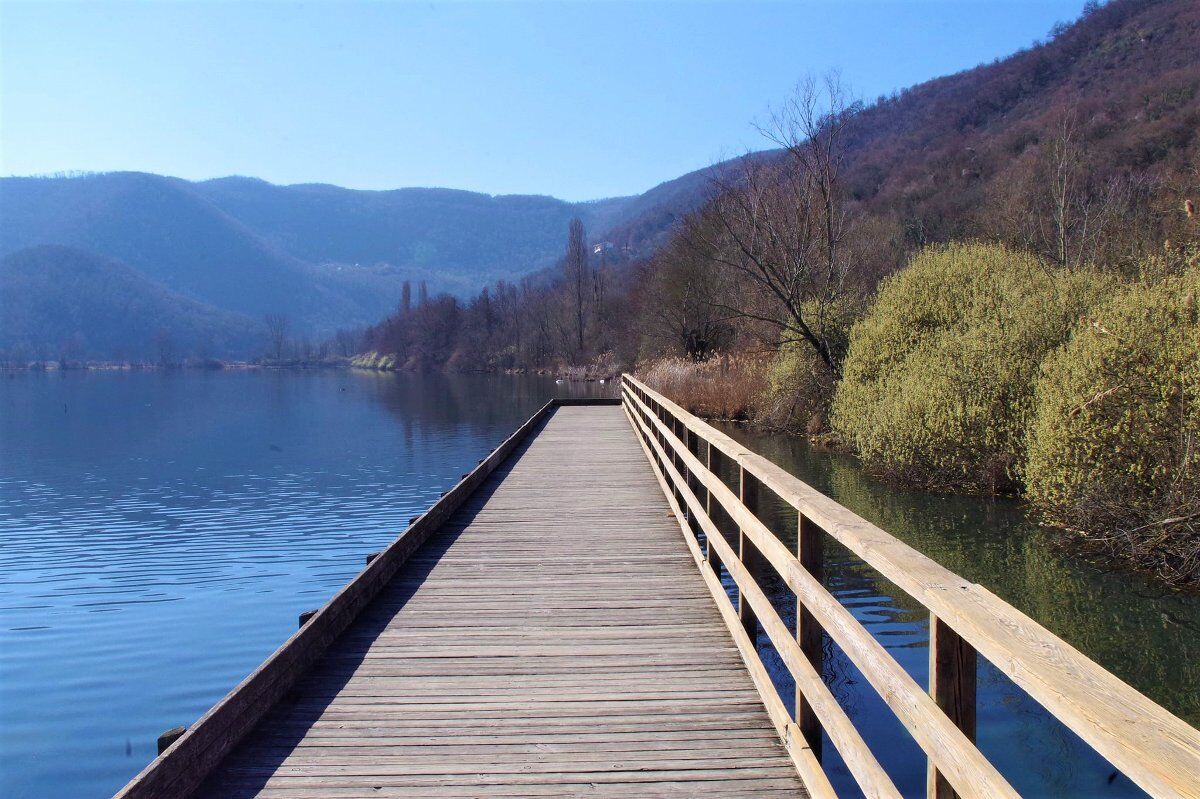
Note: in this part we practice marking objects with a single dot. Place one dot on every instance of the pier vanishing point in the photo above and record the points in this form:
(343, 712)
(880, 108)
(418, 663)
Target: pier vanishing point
(581, 615)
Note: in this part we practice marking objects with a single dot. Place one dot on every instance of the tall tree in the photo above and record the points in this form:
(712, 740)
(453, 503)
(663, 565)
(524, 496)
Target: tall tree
(784, 229)
(681, 290)
(277, 334)
(575, 266)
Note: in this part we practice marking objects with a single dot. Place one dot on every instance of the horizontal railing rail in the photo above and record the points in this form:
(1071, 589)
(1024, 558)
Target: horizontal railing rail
(1156, 750)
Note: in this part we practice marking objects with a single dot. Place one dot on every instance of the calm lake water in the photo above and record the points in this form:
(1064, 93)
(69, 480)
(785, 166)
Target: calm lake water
(160, 533)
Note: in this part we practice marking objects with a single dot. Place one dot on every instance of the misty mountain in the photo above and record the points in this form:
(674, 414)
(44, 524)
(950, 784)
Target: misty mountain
(457, 240)
(323, 256)
(57, 301)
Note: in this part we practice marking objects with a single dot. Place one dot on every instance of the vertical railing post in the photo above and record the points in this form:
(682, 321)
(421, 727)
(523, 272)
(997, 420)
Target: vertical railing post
(693, 482)
(710, 502)
(680, 431)
(810, 553)
(747, 553)
(952, 686)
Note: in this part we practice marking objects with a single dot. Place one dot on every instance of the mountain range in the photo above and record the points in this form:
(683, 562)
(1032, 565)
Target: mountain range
(240, 248)
(199, 265)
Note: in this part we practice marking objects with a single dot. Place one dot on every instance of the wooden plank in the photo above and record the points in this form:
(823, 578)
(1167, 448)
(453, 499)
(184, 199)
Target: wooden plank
(810, 554)
(552, 633)
(749, 557)
(178, 770)
(862, 764)
(816, 782)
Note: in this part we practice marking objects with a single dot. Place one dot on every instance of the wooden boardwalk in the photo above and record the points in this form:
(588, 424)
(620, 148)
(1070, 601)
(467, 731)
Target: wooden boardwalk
(557, 625)
(553, 638)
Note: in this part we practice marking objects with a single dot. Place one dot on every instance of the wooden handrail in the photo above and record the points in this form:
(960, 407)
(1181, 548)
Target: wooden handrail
(858, 758)
(954, 754)
(1155, 749)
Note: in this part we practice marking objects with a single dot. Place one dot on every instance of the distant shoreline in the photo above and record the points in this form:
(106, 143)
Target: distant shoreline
(191, 364)
(573, 374)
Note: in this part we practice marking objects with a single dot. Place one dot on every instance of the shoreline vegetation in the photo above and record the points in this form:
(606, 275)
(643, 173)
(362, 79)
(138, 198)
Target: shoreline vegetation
(1026, 327)
(191, 364)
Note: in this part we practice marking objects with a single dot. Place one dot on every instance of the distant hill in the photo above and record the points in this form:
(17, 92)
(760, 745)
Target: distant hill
(930, 159)
(937, 156)
(323, 256)
(641, 224)
(1127, 73)
(57, 301)
(458, 240)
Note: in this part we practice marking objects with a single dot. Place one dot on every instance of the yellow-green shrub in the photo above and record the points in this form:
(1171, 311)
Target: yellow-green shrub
(800, 385)
(1115, 441)
(937, 386)
(799, 389)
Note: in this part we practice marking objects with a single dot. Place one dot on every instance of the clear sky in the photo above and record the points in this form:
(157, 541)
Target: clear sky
(580, 100)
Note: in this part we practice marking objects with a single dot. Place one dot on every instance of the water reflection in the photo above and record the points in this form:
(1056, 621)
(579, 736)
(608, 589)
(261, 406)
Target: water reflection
(1147, 636)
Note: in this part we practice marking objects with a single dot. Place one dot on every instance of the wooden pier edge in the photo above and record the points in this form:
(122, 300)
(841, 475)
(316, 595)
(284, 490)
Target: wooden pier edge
(180, 769)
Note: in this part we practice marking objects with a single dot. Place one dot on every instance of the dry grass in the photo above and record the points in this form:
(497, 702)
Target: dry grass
(724, 387)
(603, 367)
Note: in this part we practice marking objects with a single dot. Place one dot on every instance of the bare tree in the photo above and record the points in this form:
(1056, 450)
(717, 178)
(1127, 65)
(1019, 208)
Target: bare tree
(682, 299)
(783, 226)
(347, 342)
(1073, 216)
(600, 310)
(164, 345)
(277, 334)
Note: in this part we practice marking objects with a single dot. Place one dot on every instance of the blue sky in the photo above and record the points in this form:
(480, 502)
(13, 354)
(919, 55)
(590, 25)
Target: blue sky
(580, 100)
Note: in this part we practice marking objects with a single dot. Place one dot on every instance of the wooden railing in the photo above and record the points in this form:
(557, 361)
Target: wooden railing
(1156, 750)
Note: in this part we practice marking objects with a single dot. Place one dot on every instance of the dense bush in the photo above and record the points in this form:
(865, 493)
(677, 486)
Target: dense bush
(1113, 446)
(938, 382)
(800, 385)
(798, 392)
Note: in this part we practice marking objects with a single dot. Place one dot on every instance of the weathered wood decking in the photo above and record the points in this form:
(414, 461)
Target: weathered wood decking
(553, 638)
(557, 625)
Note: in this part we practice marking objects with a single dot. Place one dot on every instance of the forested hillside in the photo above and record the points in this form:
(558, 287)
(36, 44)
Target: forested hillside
(94, 307)
(324, 257)
(964, 155)
(1114, 97)
(1083, 148)
(1077, 148)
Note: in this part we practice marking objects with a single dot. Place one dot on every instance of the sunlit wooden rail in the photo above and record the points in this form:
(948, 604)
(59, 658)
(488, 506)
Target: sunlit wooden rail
(702, 469)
